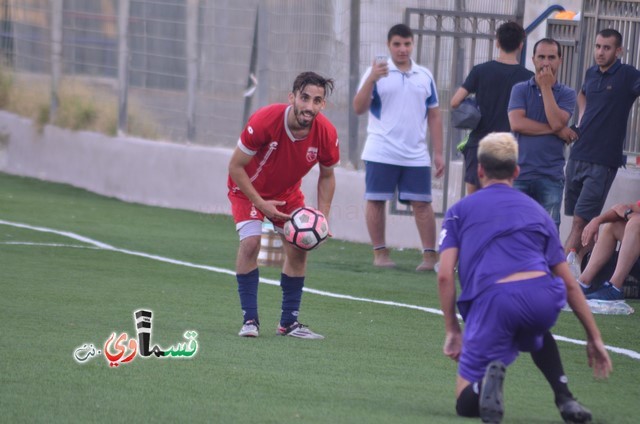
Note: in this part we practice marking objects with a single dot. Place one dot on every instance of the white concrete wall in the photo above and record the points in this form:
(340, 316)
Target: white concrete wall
(166, 174)
(194, 177)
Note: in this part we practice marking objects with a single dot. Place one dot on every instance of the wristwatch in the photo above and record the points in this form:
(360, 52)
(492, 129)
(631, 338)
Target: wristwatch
(627, 213)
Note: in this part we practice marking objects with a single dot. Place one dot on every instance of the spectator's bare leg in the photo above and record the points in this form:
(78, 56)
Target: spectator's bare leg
(376, 224)
(602, 250)
(426, 224)
(629, 251)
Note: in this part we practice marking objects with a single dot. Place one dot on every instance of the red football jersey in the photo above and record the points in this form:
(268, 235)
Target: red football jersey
(279, 161)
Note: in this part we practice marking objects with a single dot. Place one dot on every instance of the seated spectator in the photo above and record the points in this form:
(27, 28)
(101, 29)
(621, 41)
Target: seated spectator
(622, 224)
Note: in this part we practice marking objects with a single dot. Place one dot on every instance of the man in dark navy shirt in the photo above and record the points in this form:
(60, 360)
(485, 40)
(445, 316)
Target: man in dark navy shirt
(609, 90)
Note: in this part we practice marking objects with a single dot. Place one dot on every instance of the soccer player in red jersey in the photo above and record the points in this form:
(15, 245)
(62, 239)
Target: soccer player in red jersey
(279, 145)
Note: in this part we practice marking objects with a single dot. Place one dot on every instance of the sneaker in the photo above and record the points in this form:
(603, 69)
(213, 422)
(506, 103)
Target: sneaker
(572, 412)
(491, 402)
(586, 290)
(606, 292)
(250, 328)
(298, 330)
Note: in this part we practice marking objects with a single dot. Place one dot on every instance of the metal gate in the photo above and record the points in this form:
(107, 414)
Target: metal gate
(450, 43)
(577, 39)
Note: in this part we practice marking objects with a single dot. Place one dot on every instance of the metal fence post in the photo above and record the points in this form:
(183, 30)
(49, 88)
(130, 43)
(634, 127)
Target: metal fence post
(123, 62)
(263, 75)
(56, 56)
(354, 79)
(192, 66)
(251, 78)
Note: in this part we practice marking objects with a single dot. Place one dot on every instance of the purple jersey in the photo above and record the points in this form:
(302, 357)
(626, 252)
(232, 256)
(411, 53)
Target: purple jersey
(498, 231)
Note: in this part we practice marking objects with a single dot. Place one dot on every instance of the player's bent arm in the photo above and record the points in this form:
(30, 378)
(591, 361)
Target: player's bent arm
(239, 160)
(521, 124)
(577, 301)
(326, 189)
(458, 97)
(597, 355)
(447, 289)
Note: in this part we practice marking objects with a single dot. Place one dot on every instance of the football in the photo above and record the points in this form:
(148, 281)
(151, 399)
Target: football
(306, 229)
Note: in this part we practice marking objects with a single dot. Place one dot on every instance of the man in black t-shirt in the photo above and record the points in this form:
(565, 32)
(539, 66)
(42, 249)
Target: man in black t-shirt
(491, 83)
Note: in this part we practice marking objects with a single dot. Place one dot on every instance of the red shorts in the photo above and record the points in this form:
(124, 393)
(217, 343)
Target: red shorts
(243, 210)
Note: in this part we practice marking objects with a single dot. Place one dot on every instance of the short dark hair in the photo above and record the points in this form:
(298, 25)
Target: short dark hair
(401, 30)
(510, 35)
(610, 32)
(311, 78)
(547, 41)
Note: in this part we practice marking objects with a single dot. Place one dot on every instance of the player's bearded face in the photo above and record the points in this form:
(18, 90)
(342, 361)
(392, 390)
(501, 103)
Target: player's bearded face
(307, 103)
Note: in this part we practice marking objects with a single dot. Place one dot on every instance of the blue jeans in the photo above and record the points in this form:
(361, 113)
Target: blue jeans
(546, 191)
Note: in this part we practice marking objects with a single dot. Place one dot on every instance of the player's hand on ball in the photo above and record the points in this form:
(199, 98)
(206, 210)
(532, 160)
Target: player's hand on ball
(270, 209)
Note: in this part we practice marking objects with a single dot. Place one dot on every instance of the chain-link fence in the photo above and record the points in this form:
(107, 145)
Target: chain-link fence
(193, 70)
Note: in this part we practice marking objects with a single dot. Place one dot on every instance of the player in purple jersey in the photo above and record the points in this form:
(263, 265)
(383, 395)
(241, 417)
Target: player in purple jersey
(514, 282)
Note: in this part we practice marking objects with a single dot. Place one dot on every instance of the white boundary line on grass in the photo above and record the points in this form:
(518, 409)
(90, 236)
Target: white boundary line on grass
(100, 245)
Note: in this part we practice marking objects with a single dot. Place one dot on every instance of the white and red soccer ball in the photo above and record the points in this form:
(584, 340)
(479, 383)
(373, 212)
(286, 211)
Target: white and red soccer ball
(306, 229)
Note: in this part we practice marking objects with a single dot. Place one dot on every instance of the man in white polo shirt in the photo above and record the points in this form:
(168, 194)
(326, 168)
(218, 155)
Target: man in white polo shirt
(401, 98)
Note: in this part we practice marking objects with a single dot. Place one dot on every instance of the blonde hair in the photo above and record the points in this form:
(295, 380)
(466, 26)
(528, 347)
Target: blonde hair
(498, 155)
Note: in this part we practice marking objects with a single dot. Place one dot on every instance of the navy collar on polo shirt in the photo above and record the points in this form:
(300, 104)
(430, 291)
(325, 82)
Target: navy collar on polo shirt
(612, 69)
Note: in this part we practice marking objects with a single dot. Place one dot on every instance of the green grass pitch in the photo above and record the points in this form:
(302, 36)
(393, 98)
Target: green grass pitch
(379, 363)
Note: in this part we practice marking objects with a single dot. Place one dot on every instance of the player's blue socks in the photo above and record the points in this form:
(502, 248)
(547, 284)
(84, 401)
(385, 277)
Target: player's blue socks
(248, 291)
(291, 298)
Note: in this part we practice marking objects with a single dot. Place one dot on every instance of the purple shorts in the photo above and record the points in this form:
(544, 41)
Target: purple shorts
(506, 319)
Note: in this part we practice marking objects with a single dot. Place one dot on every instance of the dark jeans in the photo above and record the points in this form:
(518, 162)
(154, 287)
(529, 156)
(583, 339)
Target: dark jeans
(547, 192)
